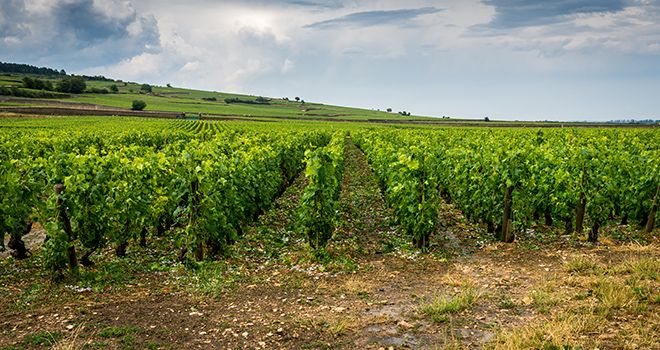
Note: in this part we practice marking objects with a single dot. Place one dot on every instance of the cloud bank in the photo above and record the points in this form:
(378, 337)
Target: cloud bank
(522, 59)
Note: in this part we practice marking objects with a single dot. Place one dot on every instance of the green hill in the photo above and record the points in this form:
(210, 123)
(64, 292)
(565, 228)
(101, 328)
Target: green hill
(98, 93)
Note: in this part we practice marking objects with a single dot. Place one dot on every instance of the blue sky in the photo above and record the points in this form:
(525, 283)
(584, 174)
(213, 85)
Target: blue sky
(505, 59)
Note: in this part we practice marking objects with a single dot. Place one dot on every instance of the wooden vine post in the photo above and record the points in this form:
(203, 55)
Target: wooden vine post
(507, 235)
(199, 248)
(650, 223)
(582, 205)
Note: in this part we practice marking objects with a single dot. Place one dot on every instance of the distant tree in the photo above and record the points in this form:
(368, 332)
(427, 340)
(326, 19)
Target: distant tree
(261, 99)
(146, 88)
(62, 72)
(97, 91)
(130, 90)
(26, 69)
(169, 85)
(486, 119)
(297, 99)
(389, 110)
(302, 101)
(28, 83)
(138, 105)
(114, 89)
(74, 85)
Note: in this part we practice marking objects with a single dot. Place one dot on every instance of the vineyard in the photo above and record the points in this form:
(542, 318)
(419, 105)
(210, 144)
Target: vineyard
(106, 189)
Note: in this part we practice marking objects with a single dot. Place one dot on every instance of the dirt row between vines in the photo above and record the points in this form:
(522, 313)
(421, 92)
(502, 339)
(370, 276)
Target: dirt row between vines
(372, 291)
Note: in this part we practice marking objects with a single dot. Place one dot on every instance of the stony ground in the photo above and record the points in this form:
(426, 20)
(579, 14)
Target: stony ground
(370, 291)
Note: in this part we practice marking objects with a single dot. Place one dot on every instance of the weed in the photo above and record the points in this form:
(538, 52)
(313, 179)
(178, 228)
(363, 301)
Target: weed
(642, 268)
(613, 296)
(42, 339)
(213, 277)
(559, 333)
(583, 265)
(117, 332)
(441, 306)
(543, 301)
(340, 327)
(506, 302)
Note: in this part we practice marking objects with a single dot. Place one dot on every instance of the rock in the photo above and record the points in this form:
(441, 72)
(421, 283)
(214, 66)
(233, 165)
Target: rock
(404, 324)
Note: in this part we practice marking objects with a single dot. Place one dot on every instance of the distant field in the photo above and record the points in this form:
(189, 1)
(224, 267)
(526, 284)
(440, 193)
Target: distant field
(180, 100)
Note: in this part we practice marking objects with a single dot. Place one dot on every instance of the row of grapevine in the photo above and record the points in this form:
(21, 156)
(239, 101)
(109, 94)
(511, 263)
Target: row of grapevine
(318, 205)
(91, 191)
(510, 179)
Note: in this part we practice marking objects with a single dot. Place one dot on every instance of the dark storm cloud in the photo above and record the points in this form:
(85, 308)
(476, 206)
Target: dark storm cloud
(522, 13)
(9, 10)
(75, 34)
(372, 18)
(88, 24)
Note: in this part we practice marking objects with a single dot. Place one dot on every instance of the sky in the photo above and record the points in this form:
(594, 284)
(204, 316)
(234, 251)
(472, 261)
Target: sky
(502, 59)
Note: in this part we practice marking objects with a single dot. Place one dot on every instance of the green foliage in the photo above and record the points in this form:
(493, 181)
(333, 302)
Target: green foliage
(74, 85)
(19, 92)
(146, 88)
(319, 200)
(618, 170)
(97, 91)
(114, 89)
(37, 84)
(138, 105)
(258, 100)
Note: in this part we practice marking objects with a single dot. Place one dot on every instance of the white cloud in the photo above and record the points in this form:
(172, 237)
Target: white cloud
(288, 66)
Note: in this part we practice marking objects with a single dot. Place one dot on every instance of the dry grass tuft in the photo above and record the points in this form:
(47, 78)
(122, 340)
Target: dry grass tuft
(441, 306)
(560, 333)
(583, 265)
(71, 342)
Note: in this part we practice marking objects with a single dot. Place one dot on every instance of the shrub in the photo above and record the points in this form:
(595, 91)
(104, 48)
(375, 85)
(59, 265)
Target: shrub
(30, 93)
(114, 89)
(146, 88)
(98, 91)
(138, 105)
(73, 85)
(37, 84)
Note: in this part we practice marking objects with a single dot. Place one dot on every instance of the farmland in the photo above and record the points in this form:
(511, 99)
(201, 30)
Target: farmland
(218, 220)
(295, 233)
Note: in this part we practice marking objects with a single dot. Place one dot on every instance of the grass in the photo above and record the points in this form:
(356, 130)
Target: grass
(613, 296)
(441, 306)
(340, 327)
(42, 339)
(173, 99)
(644, 268)
(212, 278)
(583, 265)
(543, 300)
(117, 332)
(558, 333)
